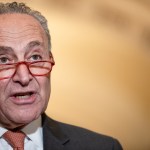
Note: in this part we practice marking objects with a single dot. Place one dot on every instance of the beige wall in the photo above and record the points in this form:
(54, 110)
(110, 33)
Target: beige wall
(101, 77)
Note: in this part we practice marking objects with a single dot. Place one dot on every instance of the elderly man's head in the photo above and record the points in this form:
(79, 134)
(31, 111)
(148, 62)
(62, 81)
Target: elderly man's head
(25, 65)
(14, 7)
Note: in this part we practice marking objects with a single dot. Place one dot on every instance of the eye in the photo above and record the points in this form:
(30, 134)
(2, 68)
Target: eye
(4, 60)
(36, 57)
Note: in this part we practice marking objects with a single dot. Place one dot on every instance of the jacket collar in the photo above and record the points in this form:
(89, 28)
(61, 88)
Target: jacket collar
(53, 137)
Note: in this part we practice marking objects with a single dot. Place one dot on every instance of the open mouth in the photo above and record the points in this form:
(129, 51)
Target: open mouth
(23, 95)
(24, 98)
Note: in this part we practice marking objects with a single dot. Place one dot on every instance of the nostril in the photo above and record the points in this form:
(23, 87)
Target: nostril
(22, 75)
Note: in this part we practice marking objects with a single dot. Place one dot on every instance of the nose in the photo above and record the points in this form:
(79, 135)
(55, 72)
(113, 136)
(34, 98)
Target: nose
(22, 75)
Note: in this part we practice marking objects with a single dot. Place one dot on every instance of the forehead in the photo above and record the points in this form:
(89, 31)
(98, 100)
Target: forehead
(20, 29)
(17, 22)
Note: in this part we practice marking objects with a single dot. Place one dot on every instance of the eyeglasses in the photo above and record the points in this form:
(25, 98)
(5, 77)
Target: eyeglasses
(36, 68)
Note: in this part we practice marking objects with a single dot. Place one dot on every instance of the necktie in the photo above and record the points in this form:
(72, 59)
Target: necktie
(15, 139)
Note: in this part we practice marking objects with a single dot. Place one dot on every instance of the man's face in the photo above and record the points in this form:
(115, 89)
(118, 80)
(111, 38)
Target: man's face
(23, 97)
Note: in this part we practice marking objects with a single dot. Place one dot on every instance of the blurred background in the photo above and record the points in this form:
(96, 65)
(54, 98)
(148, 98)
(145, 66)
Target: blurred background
(101, 80)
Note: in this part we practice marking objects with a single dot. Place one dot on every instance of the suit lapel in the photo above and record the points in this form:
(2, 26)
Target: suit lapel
(53, 138)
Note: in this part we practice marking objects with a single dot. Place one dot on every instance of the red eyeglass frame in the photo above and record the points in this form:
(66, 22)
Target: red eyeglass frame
(15, 65)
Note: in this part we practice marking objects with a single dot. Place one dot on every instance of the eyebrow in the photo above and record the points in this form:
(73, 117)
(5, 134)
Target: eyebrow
(30, 45)
(33, 44)
(5, 49)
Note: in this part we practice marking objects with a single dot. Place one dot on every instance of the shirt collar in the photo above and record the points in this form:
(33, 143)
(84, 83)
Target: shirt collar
(33, 132)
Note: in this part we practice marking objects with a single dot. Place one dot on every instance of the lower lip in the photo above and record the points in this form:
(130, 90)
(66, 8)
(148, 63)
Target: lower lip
(24, 101)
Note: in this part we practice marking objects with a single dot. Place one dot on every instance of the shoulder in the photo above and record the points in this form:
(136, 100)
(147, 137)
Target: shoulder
(81, 138)
(91, 139)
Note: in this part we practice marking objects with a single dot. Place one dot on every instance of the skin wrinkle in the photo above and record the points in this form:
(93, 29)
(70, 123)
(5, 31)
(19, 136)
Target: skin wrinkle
(29, 28)
(13, 39)
(31, 48)
(1, 31)
(31, 45)
(18, 36)
(25, 31)
(34, 47)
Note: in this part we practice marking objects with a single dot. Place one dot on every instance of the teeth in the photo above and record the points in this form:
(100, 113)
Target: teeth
(23, 96)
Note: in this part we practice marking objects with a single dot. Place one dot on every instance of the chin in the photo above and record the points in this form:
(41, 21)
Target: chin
(26, 118)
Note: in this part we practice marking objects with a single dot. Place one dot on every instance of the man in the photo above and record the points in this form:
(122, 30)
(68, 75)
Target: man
(25, 65)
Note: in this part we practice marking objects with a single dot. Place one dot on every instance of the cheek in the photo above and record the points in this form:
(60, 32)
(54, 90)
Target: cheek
(45, 89)
(5, 105)
(3, 91)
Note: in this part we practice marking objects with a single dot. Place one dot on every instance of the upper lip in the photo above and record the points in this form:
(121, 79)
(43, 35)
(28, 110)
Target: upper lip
(21, 93)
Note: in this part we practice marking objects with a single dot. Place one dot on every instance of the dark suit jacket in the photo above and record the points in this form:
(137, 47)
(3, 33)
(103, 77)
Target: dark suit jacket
(60, 136)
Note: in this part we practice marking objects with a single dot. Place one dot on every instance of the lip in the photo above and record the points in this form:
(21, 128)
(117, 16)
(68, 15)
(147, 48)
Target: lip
(23, 98)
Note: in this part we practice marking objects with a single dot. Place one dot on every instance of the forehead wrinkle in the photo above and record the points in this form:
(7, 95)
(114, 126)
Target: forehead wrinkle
(17, 37)
(25, 31)
(25, 27)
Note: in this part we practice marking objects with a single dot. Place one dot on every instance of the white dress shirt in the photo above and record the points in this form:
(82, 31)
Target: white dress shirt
(33, 139)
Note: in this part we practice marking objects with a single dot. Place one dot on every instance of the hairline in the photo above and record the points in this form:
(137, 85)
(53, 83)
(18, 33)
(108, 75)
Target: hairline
(22, 8)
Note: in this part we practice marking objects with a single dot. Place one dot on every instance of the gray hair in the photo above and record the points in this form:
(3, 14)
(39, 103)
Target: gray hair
(22, 8)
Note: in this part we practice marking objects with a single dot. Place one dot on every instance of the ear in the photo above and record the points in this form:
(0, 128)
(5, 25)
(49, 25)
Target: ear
(51, 58)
